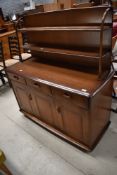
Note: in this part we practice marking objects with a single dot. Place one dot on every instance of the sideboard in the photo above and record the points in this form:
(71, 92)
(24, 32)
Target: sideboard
(66, 86)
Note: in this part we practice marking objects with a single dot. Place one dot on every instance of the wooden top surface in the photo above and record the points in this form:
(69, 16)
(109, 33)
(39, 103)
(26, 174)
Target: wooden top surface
(7, 33)
(82, 83)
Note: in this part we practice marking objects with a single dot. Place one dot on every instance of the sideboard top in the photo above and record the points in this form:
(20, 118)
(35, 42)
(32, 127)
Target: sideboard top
(78, 82)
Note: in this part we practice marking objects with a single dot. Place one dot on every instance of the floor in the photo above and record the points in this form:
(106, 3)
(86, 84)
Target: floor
(31, 150)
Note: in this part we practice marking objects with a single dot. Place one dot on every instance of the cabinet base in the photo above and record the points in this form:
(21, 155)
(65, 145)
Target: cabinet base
(64, 137)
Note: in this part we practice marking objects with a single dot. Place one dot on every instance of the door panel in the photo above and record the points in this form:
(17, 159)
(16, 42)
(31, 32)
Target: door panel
(43, 107)
(23, 96)
(72, 123)
(72, 120)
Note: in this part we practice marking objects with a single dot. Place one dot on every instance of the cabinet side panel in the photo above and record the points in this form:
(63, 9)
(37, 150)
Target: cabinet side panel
(100, 112)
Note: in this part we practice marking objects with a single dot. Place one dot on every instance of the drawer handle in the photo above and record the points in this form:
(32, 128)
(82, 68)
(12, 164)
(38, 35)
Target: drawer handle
(30, 97)
(16, 77)
(58, 109)
(66, 95)
(36, 84)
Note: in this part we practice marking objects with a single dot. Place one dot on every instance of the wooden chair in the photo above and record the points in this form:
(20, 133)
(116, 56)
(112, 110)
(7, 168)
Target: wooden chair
(2, 73)
(14, 43)
(1, 68)
(26, 48)
(15, 50)
(3, 168)
(2, 76)
(114, 62)
(4, 64)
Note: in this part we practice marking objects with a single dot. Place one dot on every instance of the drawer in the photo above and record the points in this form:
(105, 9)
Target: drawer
(69, 97)
(16, 78)
(40, 87)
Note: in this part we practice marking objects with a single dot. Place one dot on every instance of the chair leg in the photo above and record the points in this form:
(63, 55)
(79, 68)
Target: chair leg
(20, 58)
(114, 110)
(114, 94)
(5, 169)
(2, 78)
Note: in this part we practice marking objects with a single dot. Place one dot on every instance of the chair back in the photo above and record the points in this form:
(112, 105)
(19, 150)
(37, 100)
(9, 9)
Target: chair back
(14, 47)
(2, 55)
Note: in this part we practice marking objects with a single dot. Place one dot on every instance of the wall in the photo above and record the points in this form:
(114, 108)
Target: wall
(16, 6)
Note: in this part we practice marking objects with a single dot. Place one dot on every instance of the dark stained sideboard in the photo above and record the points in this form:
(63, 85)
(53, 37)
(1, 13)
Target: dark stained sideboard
(66, 87)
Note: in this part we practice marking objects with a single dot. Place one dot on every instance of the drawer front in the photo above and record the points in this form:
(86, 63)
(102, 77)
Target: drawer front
(16, 78)
(40, 87)
(68, 97)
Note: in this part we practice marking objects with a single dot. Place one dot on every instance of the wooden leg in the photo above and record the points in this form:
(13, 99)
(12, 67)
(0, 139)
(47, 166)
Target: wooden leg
(2, 78)
(114, 110)
(5, 169)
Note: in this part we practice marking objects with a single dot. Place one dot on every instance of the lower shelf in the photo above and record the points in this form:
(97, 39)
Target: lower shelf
(66, 138)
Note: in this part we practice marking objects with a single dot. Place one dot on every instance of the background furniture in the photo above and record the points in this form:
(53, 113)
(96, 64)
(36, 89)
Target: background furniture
(63, 4)
(56, 5)
(85, 4)
(5, 63)
(114, 40)
(1, 14)
(67, 85)
(3, 168)
(4, 40)
(14, 47)
(2, 76)
(2, 71)
(15, 50)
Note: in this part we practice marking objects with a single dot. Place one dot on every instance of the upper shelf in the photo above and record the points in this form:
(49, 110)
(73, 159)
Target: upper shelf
(68, 28)
(77, 59)
(71, 17)
(93, 54)
(81, 37)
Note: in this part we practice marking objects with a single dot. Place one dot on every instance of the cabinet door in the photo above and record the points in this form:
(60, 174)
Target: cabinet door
(43, 107)
(72, 120)
(23, 96)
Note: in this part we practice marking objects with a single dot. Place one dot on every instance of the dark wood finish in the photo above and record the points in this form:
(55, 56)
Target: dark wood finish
(60, 77)
(17, 78)
(68, 37)
(66, 86)
(23, 96)
(79, 58)
(77, 17)
(44, 107)
(87, 31)
(70, 109)
(114, 4)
